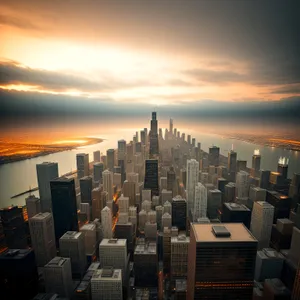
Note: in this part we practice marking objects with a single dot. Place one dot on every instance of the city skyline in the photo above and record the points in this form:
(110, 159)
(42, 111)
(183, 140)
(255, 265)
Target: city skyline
(221, 58)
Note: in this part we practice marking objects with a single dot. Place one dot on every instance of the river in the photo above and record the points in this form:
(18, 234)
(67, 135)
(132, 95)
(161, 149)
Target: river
(19, 176)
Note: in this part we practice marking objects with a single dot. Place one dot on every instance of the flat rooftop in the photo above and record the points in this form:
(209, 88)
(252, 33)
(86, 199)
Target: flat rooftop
(62, 179)
(236, 206)
(107, 274)
(88, 227)
(40, 216)
(113, 242)
(71, 235)
(238, 233)
(56, 262)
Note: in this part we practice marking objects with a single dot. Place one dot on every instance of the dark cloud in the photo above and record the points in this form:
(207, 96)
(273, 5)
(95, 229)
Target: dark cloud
(12, 73)
(288, 89)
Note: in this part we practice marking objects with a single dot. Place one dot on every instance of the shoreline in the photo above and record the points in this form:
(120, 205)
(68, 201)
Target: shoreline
(49, 149)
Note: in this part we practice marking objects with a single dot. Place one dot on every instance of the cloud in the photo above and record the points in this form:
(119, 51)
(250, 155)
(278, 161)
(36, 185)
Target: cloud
(17, 22)
(288, 89)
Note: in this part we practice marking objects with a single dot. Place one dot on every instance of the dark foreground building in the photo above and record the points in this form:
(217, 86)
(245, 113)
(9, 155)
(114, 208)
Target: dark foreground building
(221, 262)
(18, 275)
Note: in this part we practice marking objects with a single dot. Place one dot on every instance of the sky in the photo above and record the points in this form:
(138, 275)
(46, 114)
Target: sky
(117, 57)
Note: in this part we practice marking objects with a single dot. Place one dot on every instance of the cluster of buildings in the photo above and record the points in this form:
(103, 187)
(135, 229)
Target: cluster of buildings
(156, 218)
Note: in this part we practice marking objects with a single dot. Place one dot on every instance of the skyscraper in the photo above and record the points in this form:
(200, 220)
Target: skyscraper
(171, 126)
(72, 245)
(58, 277)
(82, 160)
(13, 227)
(98, 169)
(232, 158)
(179, 212)
(213, 156)
(46, 172)
(261, 223)
(108, 184)
(106, 221)
(242, 187)
(42, 237)
(64, 206)
(153, 137)
(256, 158)
(282, 167)
(192, 174)
(129, 190)
(18, 274)
(200, 204)
(106, 283)
(110, 154)
(221, 262)
(86, 186)
(171, 180)
(121, 150)
(33, 205)
(96, 156)
(151, 176)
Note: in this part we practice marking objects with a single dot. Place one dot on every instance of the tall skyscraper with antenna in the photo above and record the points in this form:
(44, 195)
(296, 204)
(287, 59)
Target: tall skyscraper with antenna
(153, 137)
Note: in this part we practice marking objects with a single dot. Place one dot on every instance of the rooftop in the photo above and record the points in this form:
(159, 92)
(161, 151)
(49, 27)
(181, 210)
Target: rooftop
(71, 235)
(88, 227)
(236, 206)
(62, 179)
(113, 242)
(15, 253)
(264, 204)
(238, 233)
(145, 249)
(107, 274)
(57, 262)
(181, 238)
(41, 216)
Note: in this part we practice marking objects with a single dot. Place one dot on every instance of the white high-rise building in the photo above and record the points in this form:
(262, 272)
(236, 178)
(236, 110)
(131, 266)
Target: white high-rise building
(192, 174)
(146, 205)
(151, 216)
(33, 205)
(90, 237)
(106, 221)
(108, 183)
(146, 195)
(42, 237)
(107, 284)
(128, 190)
(142, 219)
(168, 207)
(242, 185)
(133, 177)
(166, 221)
(72, 245)
(58, 277)
(113, 253)
(261, 222)
(82, 161)
(46, 172)
(200, 204)
(123, 203)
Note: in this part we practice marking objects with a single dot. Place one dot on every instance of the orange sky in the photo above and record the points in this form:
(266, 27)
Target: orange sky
(123, 56)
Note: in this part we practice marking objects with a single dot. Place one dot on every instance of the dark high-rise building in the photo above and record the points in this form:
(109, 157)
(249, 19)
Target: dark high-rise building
(241, 165)
(64, 206)
(14, 228)
(151, 176)
(171, 179)
(221, 262)
(213, 156)
(138, 147)
(18, 274)
(281, 203)
(121, 164)
(126, 231)
(264, 179)
(86, 186)
(171, 126)
(110, 154)
(98, 169)
(143, 137)
(232, 158)
(153, 136)
(256, 158)
(282, 167)
(145, 264)
(236, 213)
(179, 213)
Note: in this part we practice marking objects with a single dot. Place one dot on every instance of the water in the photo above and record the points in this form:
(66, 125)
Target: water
(17, 177)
